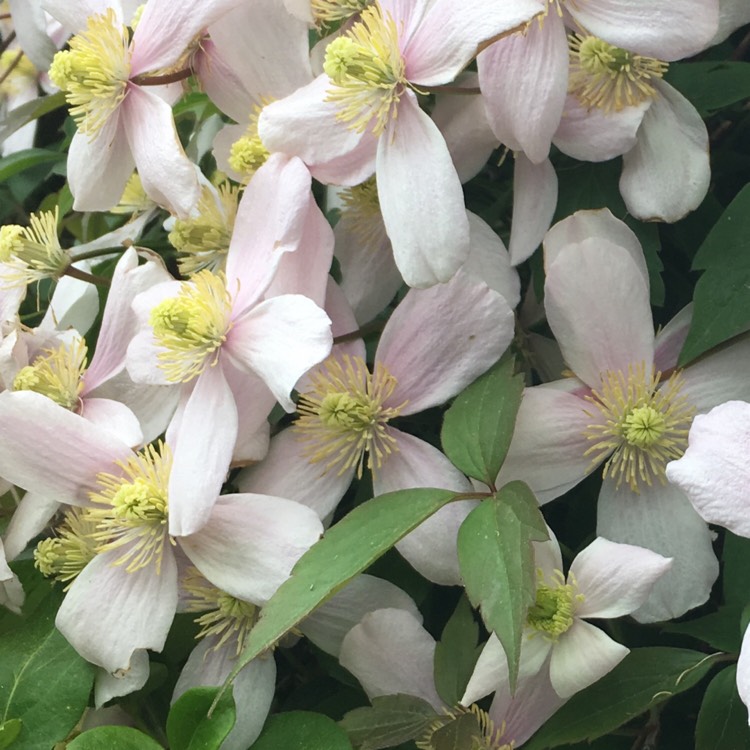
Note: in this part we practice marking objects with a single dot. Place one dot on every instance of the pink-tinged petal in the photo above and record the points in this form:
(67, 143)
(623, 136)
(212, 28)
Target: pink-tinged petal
(462, 120)
(250, 544)
(616, 579)
(671, 338)
(118, 322)
(10, 296)
(390, 652)
(285, 472)
(222, 149)
(548, 449)
(489, 261)
(583, 655)
(74, 303)
(73, 16)
(461, 29)
(202, 452)
(534, 203)
(524, 79)
(267, 47)
(30, 26)
(166, 29)
(167, 175)
(369, 276)
(407, 14)
(113, 417)
(253, 688)
(254, 403)
(414, 170)
(108, 686)
(52, 451)
(222, 83)
(305, 125)
(599, 224)
(661, 519)
(108, 614)
(595, 135)
(597, 274)
(99, 168)
(29, 519)
(732, 15)
(743, 669)
(719, 377)
(431, 548)
(714, 472)
(300, 9)
(665, 29)
(439, 340)
(280, 340)
(272, 220)
(332, 620)
(666, 175)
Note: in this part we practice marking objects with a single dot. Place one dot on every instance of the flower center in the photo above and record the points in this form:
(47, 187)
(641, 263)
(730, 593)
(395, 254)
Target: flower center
(469, 728)
(65, 555)
(553, 612)
(56, 374)
(131, 510)
(225, 617)
(330, 12)
(33, 252)
(94, 72)
(192, 326)
(248, 154)
(344, 416)
(646, 424)
(203, 239)
(367, 71)
(608, 77)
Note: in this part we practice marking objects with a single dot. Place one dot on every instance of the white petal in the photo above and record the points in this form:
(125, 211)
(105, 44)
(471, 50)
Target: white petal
(108, 686)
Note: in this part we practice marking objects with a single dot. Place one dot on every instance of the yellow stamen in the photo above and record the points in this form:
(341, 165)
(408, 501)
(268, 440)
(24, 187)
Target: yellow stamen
(553, 612)
(134, 199)
(248, 154)
(367, 72)
(330, 12)
(192, 326)
(226, 617)
(476, 727)
(22, 76)
(131, 509)
(608, 77)
(362, 210)
(57, 374)
(343, 416)
(645, 425)
(94, 72)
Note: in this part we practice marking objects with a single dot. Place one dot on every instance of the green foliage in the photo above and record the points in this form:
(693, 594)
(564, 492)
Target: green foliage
(497, 563)
(736, 557)
(478, 427)
(391, 720)
(456, 653)
(44, 683)
(190, 728)
(302, 730)
(722, 295)
(645, 678)
(9, 731)
(31, 157)
(29, 112)
(114, 738)
(345, 550)
(711, 86)
(722, 721)
(720, 630)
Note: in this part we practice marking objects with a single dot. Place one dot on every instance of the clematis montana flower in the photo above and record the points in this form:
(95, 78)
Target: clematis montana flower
(628, 406)
(362, 115)
(120, 122)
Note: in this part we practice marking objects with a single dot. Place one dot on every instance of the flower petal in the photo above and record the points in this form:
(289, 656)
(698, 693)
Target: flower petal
(115, 417)
(108, 686)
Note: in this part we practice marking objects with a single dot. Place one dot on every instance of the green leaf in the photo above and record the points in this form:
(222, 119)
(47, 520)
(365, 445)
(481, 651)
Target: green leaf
(391, 720)
(644, 678)
(9, 731)
(722, 294)
(43, 682)
(302, 730)
(711, 86)
(459, 734)
(720, 630)
(189, 726)
(722, 720)
(345, 550)
(22, 160)
(479, 424)
(497, 563)
(114, 738)
(456, 653)
(736, 558)
(30, 111)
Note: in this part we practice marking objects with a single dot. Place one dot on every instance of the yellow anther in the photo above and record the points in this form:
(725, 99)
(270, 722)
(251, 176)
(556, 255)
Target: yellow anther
(65, 555)
(248, 154)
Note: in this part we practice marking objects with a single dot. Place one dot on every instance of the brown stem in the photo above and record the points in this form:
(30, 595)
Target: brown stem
(76, 273)
(96, 253)
(472, 90)
(7, 42)
(13, 65)
(146, 80)
(4, 16)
